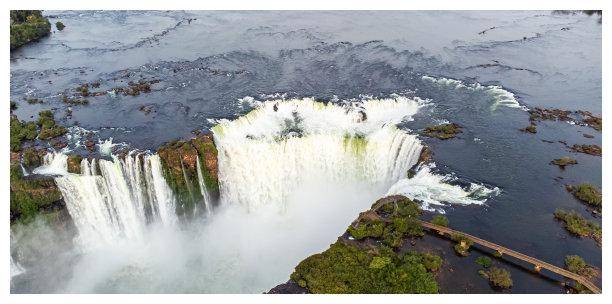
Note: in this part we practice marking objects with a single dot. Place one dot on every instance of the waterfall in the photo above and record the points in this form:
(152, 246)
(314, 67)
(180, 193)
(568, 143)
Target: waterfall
(16, 269)
(55, 163)
(120, 201)
(203, 190)
(278, 147)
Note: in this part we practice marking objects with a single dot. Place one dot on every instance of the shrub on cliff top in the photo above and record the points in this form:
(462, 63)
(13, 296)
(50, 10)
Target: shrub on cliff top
(20, 131)
(348, 269)
(27, 197)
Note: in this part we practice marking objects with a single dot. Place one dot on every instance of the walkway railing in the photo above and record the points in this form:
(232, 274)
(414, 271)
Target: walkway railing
(538, 264)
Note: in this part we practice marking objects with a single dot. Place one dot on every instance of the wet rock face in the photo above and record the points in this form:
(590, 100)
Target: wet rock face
(180, 162)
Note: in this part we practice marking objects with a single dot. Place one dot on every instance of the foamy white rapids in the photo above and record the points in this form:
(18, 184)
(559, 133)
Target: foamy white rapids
(116, 198)
(433, 190)
(283, 145)
(55, 163)
(500, 96)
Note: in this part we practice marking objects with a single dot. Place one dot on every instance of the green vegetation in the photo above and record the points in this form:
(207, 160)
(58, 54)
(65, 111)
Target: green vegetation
(21, 131)
(498, 277)
(484, 261)
(444, 131)
(28, 197)
(135, 88)
(34, 100)
(564, 161)
(83, 89)
(440, 220)
(578, 225)
(367, 228)
(27, 26)
(577, 265)
(179, 160)
(74, 163)
(59, 25)
(13, 106)
(431, 262)
(49, 129)
(368, 263)
(32, 157)
(347, 268)
(587, 193)
(463, 244)
(390, 220)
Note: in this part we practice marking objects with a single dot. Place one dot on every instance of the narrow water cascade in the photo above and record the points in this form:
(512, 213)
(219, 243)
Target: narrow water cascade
(207, 201)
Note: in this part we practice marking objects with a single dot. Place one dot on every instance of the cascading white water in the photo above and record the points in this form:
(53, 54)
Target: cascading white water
(280, 146)
(433, 191)
(205, 194)
(55, 163)
(115, 203)
(499, 95)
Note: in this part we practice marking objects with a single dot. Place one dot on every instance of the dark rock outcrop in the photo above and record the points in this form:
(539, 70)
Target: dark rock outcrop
(444, 131)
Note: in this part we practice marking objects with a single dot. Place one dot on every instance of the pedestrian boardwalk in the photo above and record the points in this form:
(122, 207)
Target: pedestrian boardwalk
(538, 264)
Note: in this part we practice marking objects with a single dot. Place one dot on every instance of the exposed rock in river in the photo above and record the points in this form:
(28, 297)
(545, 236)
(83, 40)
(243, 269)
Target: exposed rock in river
(564, 161)
(444, 131)
(579, 117)
(587, 149)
